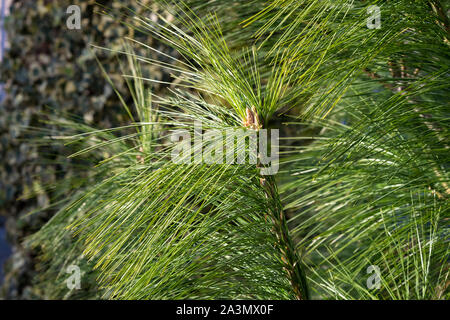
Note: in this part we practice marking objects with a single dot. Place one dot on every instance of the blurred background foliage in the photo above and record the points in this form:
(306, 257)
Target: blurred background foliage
(49, 68)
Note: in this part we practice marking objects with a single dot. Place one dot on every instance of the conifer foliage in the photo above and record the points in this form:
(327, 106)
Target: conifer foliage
(359, 207)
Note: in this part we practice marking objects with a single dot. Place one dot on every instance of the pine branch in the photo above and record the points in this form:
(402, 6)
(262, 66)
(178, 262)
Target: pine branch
(289, 257)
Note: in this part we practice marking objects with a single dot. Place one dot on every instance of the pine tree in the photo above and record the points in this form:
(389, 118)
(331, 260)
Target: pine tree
(359, 207)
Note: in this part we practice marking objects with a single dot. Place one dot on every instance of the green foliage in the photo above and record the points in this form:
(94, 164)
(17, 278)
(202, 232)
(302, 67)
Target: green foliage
(364, 154)
(49, 67)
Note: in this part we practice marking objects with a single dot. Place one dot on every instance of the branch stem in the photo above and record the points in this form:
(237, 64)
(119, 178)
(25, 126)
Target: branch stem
(291, 260)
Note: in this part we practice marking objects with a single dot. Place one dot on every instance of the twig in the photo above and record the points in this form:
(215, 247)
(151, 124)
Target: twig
(289, 257)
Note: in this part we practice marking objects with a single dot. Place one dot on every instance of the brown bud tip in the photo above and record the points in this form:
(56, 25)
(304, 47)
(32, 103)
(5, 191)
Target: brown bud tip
(252, 120)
